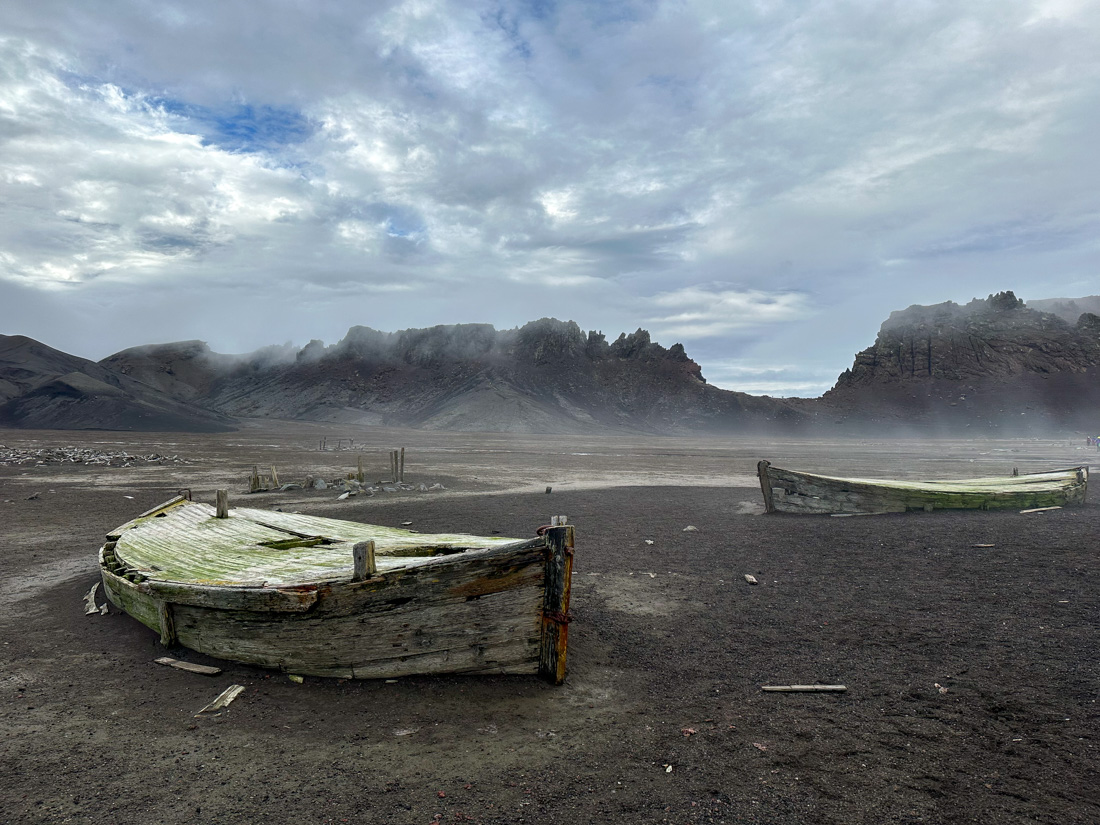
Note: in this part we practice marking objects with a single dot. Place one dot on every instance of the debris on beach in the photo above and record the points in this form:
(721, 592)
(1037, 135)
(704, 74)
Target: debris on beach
(222, 701)
(204, 670)
(806, 688)
(89, 602)
(751, 579)
(43, 456)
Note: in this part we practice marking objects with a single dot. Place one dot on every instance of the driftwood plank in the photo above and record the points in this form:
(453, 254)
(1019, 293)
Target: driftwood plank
(222, 701)
(205, 670)
(804, 688)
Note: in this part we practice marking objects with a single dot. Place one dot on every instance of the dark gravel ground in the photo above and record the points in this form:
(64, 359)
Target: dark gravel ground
(972, 678)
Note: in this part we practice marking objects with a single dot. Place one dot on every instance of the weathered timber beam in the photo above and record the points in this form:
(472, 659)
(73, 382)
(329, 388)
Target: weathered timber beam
(555, 610)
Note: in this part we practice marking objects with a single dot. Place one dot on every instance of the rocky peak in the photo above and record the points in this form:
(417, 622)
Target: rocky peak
(998, 335)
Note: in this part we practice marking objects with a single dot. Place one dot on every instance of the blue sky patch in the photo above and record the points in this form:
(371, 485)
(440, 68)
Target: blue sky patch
(243, 127)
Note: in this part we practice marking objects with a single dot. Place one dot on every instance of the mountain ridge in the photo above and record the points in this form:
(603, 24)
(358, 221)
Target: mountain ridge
(993, 364)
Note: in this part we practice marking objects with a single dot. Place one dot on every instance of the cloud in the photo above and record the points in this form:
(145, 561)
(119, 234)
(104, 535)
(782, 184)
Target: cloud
(723, 172)
(706, 311)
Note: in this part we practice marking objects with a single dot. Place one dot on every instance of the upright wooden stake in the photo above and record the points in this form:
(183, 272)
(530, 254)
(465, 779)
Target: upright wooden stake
(359, 470)
(222, 506)
(362, 555)
(555, 605)
(401, 470)
(274, 478)
(254, 481)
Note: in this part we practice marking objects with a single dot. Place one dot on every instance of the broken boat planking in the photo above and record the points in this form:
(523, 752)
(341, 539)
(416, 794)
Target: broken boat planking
(279, 590)
(791, 491)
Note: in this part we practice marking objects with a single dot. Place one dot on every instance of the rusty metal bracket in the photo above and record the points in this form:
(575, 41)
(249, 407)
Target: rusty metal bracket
(542, 530)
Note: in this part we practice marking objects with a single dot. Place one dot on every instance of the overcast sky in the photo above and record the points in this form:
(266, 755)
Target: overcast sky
(761, 181)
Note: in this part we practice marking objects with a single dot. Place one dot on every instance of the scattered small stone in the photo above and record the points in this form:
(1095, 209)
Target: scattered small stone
(320, 484)
(343, 496)
(751, 579)
(691, 528)
(649, 541)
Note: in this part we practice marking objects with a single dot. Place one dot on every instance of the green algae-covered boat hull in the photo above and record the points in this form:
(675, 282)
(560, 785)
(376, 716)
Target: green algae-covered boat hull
(278, 590)
(790, 491)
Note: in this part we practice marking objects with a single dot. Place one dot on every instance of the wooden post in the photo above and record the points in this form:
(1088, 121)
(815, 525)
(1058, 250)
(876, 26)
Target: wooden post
(222, 508)
(401, 469)
(274, 478)
(254, 481)
(765, 486)
(359, 471)
(555, 604)
(167, 625)
(393, 465)
(363, 561)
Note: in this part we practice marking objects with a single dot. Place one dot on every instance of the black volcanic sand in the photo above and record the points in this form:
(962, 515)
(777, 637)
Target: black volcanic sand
(972, 677)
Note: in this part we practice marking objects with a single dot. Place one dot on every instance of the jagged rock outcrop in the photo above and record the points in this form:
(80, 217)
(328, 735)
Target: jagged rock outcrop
(546, 376)
(993, 363)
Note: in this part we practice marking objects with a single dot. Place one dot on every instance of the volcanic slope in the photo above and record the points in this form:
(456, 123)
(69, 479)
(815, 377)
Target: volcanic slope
(547, 376)
(992, 364)
(45, 388)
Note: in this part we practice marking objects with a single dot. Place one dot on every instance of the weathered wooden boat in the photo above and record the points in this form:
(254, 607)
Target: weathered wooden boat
(325, 597)
(790, 491)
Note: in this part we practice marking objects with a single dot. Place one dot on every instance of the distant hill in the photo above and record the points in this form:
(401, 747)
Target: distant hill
(44, 388)
(1068, 309)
